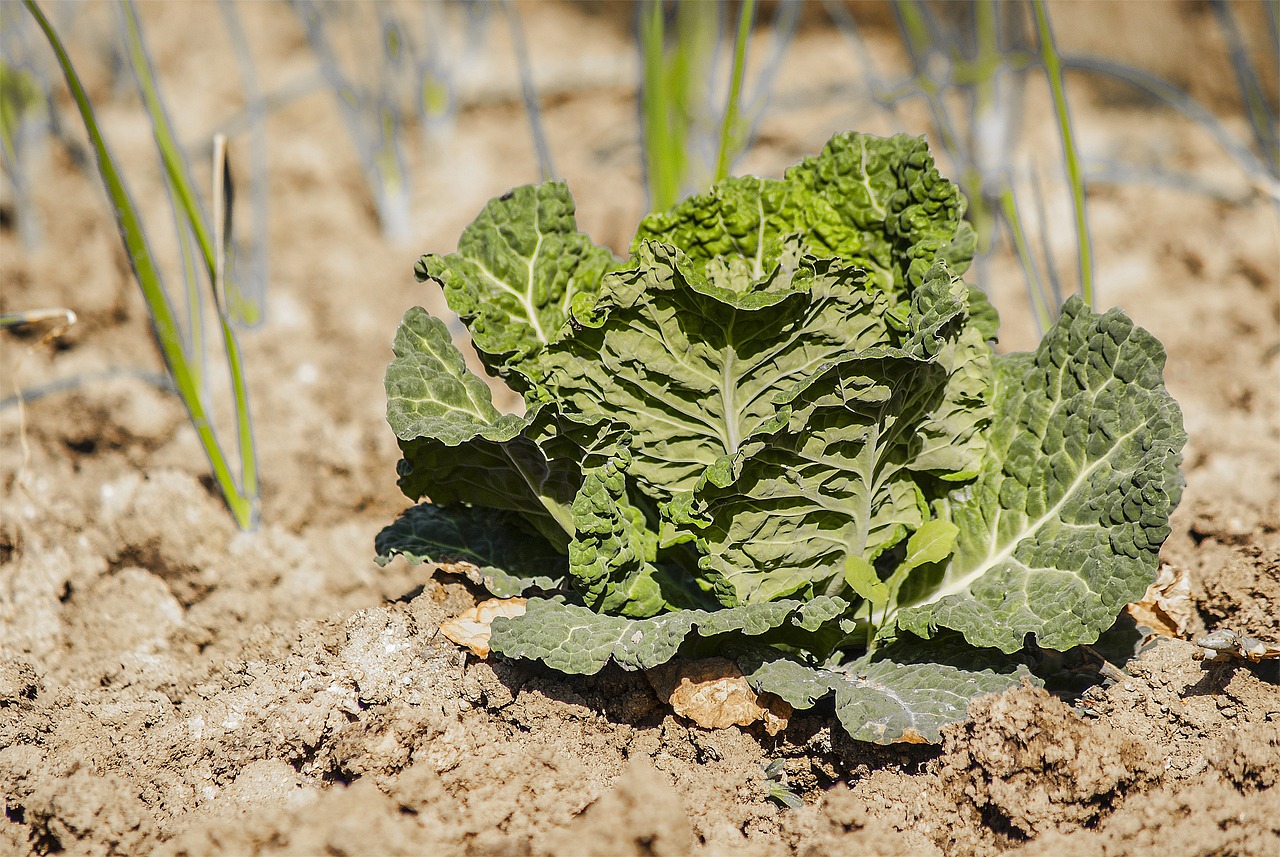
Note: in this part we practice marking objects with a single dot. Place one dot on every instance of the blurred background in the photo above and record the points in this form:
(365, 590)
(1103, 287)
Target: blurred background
(1127, 149)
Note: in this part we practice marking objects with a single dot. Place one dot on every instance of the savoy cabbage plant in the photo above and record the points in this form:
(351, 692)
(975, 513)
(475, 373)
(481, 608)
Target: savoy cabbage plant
(779, 431)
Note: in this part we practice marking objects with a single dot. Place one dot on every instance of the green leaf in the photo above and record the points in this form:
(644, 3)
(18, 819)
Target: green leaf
(861, 577)
(876, 203)
(1065, 522)
(458, 448)
(613, 553)
(183, 364)
(744, 219)
(933, 542)
(887, 702)
(907, 692)
(430, 391)
(577, 640)
(518, 269)
(807, 509)
(696, 368)
(509, 558)
(953, 435)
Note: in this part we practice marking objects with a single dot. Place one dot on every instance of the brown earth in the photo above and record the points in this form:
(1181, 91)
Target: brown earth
(170, 685)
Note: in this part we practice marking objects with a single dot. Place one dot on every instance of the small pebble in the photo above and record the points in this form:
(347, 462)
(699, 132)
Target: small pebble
(1228, 712)
(1128, 685)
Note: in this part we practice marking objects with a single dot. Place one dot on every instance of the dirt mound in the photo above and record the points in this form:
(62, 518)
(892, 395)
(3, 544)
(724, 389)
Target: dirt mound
(1027, 764)
(641, 815)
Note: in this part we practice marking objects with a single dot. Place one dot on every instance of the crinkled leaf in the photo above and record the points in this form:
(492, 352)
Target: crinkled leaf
(458, 448)
(876, 203)
(430, 391)
(508, 558)
(574, 639)
(747, 220)
(1065, 522)
(907, 692)
(953, 435)
(695, 368)
(809, 508)
(517, 270)
(613, 555)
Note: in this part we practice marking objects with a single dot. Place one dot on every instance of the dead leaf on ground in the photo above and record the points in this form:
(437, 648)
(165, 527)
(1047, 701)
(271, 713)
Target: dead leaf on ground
(714, 694)
(1166, 608)
(471, 628)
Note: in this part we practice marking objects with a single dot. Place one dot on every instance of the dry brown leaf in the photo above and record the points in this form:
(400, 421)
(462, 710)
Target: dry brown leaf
(471, 628)
(1166, 608)
(714, 693)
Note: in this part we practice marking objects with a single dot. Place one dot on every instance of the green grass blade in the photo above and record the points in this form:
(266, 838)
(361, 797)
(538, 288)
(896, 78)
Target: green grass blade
(1046, 247)
(1052, 61)
(164, 323)
(785, 21)
(688, 78)
(188, 214)
(730, 145)
(194, 332)
(175, 163)
(917, 37)
(1035, 285)
(1171, 95)
(247, 297)
(373, 123)
(662, 167)
(223, 208)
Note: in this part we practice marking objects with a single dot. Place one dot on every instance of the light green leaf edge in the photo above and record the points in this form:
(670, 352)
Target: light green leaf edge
(874, 202)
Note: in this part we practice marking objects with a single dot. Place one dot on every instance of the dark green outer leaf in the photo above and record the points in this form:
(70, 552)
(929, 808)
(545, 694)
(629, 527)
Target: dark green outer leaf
(888, 702)
(459, 449)
(909, 691)
(576, 640)
(430, 391)
(509, 559)
(1064, 525)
